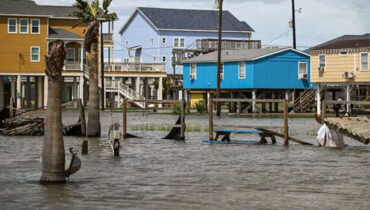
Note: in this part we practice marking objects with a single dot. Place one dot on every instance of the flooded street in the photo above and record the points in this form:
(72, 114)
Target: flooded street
(152, 173)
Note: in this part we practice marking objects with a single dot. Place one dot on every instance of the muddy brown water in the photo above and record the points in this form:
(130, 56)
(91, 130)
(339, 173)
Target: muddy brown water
(152, 173)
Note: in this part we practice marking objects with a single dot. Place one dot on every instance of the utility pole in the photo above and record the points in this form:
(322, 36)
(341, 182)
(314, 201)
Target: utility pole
(293, 25)
(102, 64)
(219, 64)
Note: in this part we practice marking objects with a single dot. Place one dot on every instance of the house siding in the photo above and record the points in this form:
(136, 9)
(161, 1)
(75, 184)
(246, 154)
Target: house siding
(140, 31)
(336, 65)
(15, 48)
(274, 72)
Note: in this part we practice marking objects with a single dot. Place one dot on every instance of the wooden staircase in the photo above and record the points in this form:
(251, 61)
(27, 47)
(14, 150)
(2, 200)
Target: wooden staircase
(305, 101)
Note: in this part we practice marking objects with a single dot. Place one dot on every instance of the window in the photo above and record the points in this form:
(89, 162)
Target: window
(70, 54)
(35, 54)
(164, 58)
(179, 42)
(23, 26)
(154, 59)
(125, 60)
(193, 71)
(364, 61)
(12, 25)
(322, 60)
(35, 26)
(241, 70)
(222, 71)
(151, 41)
(164, 40)
(302, 67)
(126, 43)
(343, 53)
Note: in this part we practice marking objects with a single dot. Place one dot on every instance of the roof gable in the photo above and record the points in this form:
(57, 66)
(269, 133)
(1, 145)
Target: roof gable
(190, 20)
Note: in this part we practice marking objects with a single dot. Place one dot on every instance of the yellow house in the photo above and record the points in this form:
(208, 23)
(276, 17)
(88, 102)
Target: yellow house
(342, 65)
(26, 30)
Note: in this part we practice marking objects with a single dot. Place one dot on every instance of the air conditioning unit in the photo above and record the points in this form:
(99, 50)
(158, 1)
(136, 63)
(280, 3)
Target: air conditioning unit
(303, 76)
(192, 76)
(349, 75)
(321, 69)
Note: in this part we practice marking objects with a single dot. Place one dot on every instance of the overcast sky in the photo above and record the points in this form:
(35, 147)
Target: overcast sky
(319, 20)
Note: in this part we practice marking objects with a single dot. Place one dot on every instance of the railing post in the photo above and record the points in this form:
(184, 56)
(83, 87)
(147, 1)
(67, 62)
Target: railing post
(124, 118)
(286, 128)
(210, 118)
(182, 131)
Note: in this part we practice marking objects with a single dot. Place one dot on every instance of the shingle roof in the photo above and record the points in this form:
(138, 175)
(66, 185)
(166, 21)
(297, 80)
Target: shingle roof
(29, 7)
(58, 33)
(186, 19)
(237, 55)
(345, 42)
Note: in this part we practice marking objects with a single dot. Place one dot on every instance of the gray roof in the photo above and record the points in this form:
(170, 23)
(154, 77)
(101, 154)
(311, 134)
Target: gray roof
(238, 55)
(29, 7)
(345, 41)
(187, 19)
(58, 33)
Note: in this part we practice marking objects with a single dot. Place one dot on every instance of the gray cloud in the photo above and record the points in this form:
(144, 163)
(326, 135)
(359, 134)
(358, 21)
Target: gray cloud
(319, 21)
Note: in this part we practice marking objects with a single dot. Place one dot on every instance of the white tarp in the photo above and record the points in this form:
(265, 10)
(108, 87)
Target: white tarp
(329, 138)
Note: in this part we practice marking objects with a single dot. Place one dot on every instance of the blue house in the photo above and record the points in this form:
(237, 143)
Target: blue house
(253, 73)
(151, 34)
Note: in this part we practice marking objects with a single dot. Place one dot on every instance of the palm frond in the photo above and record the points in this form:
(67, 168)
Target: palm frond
(110, 16)
(106, 4)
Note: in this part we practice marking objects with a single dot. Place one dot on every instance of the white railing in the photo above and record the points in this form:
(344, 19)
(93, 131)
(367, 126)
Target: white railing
(72, 66)
(125, 90)
(135, 67)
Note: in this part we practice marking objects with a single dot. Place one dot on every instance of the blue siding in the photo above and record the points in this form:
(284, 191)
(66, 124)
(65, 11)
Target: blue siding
(278, 71)
(140, 32)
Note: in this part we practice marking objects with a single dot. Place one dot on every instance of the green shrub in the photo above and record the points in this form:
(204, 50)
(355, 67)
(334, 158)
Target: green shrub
(176, 109)
(201, 107)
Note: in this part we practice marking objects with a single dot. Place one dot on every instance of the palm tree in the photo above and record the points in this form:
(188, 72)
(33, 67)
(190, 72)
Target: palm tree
(89, 12)
(53, 156)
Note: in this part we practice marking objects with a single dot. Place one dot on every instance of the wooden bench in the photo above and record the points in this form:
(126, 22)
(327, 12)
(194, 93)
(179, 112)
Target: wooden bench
(227, 132)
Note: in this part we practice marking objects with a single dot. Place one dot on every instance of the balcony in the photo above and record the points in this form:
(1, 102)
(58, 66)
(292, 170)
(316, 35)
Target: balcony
(135, 67)
(209, 45)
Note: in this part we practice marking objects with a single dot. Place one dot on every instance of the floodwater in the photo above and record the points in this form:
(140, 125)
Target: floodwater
(152, 173)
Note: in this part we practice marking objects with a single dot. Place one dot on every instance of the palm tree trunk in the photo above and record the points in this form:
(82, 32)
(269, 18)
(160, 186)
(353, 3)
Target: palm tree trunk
(53, 155)
(93, 124)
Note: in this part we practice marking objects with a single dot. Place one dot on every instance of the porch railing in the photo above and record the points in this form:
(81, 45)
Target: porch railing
(108, 37)
(136, 67)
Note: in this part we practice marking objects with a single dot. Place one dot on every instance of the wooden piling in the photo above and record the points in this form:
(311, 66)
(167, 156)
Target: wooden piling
(323, 112)
(286, 128)
(124, 118)
(85, 147)
(182, 130)
(210, 118)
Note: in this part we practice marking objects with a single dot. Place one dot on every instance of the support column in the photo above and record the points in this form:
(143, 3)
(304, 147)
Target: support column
(45, 91)
(1, 93)
(81, 89)
(39, 92)
(105, 93)
(318, 99)
(287, 95)
(12, 87)
(254, 96)
(137, 85)
(208, 98)
(19, 95)
(348, 98)
(160, 91)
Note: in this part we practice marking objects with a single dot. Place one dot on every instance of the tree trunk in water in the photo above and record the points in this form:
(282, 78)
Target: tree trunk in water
(91, 45)
(93, 124)
(53, 156)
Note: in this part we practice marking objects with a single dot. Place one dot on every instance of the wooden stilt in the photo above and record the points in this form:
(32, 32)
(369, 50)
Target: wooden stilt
(124, 119)
(182, 131)
(211, 118)
(323, 113)
(85, 147)
(286, 128)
